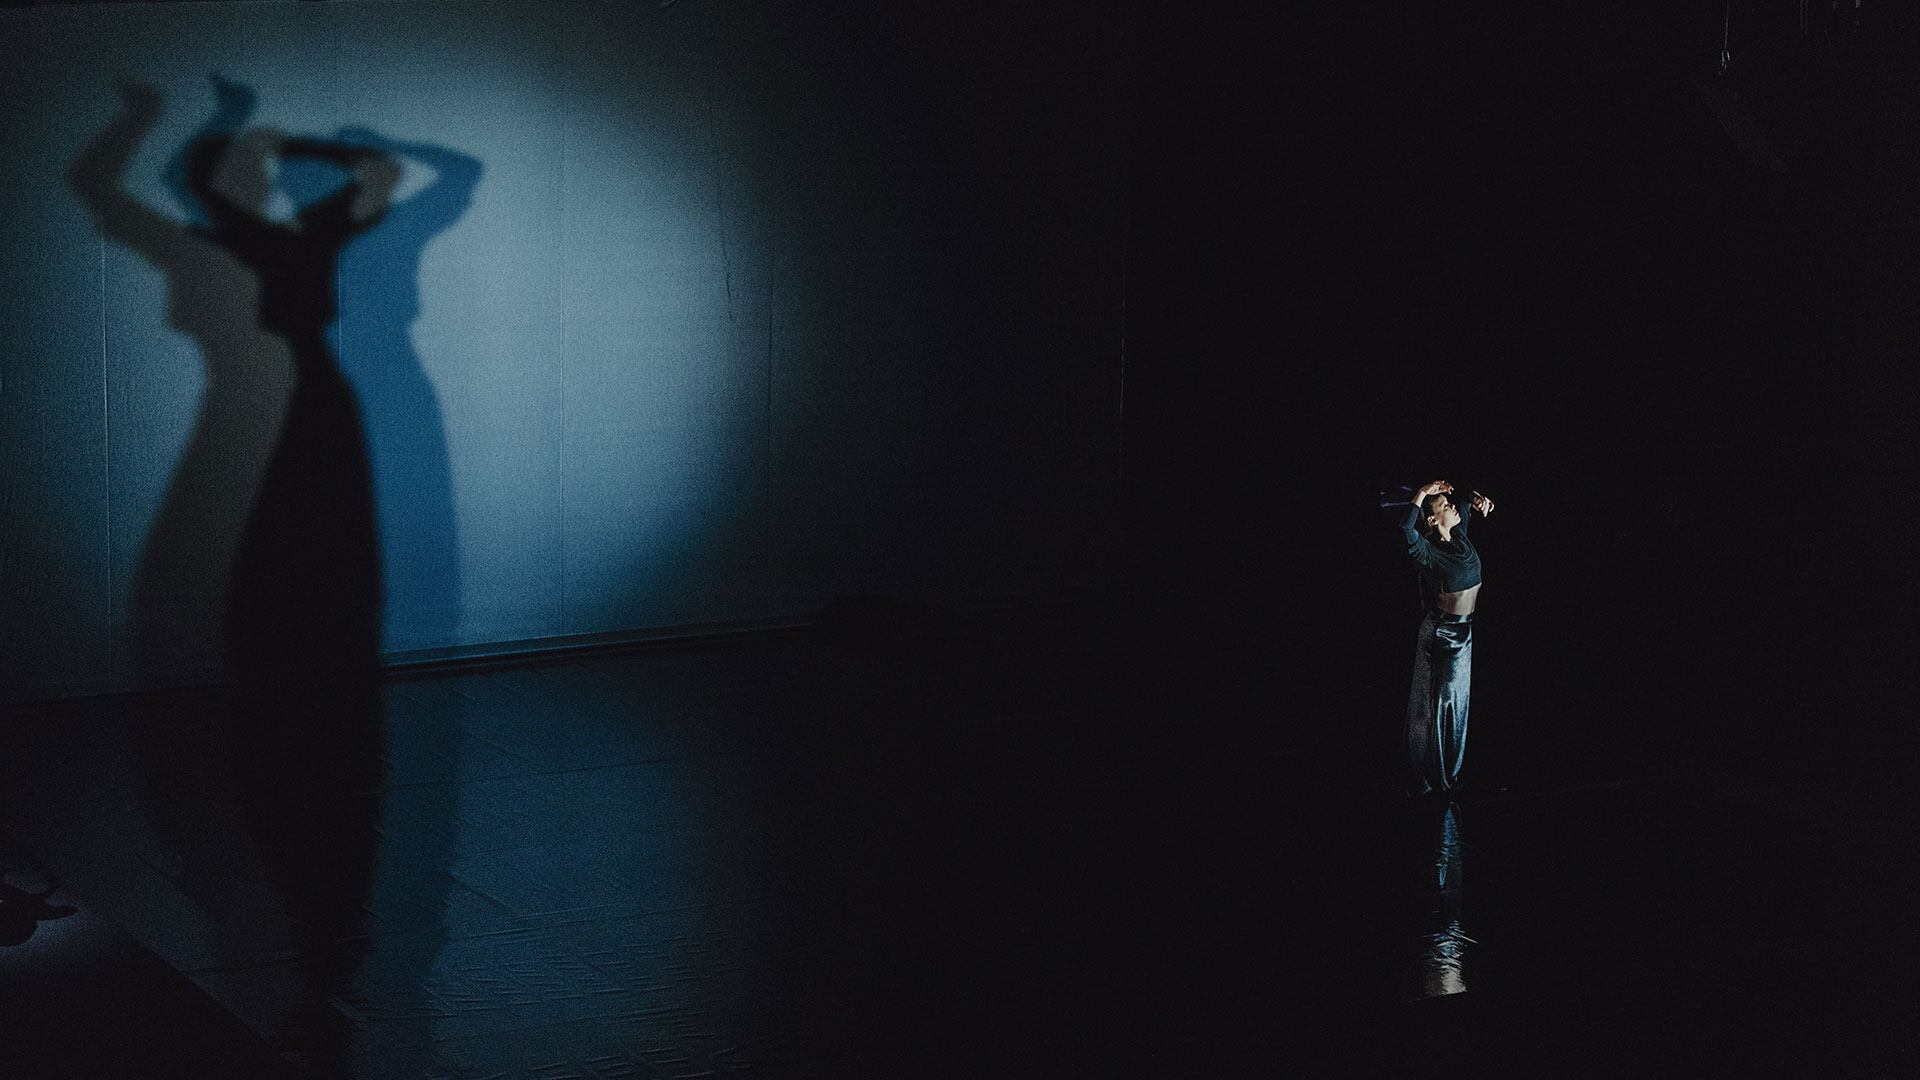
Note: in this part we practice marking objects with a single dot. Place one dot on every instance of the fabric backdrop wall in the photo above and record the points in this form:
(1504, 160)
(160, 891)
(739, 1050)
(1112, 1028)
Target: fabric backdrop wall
(684, 314)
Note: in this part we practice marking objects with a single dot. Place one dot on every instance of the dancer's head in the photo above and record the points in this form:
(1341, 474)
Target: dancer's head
(1438, 510)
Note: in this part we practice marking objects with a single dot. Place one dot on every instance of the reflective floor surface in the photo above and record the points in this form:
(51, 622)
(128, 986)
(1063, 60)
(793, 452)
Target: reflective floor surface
(984, 851)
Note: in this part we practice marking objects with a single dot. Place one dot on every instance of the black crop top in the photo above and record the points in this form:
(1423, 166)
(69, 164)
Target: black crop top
(1445, 565)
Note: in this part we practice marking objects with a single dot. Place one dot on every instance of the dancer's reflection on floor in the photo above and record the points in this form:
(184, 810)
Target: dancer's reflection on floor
(1443, 942)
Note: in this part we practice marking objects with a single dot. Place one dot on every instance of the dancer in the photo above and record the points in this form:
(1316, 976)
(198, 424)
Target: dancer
(1436, 535)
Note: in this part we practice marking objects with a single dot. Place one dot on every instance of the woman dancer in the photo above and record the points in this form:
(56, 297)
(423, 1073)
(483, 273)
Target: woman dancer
(1436, 535)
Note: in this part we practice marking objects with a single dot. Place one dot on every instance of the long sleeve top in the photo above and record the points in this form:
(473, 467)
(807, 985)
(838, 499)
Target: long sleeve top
(1445, 565)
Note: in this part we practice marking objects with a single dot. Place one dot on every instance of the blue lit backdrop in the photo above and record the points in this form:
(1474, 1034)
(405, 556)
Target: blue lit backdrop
(684, 315)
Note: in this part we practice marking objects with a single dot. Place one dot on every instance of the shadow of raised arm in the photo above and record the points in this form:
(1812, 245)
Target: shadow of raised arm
(442, 202)
(98, 177)
(365, 200)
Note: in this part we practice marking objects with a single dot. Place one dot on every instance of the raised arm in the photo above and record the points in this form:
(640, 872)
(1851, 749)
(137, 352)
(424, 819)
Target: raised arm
(98, 176)
(1477, 507)
(1417, 545)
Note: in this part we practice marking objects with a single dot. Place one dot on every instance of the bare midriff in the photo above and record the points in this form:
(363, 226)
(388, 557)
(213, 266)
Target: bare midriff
(1458, 603)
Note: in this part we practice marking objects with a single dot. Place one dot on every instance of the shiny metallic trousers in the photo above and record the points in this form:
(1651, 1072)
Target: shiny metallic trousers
(1437, 704)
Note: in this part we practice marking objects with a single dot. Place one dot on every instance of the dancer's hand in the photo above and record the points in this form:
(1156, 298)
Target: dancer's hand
(1434, 488)
(1481, 504)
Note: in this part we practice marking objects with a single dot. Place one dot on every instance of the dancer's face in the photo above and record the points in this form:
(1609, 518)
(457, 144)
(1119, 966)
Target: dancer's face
(1441, 513)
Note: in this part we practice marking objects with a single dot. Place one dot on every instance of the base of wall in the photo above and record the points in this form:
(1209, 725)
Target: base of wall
(489, 654)
(515, 653)
(520, 652)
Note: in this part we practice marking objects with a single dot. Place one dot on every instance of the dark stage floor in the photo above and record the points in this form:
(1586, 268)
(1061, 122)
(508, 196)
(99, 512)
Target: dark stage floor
(997, 847)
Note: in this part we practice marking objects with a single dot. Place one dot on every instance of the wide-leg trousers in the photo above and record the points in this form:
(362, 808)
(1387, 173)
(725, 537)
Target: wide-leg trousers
(1437, 704)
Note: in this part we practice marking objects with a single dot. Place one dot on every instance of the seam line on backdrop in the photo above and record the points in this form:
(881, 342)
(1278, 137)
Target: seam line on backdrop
(560, 236)
(1126, 296)
(720, 207)
(106, 461)
(766, 439)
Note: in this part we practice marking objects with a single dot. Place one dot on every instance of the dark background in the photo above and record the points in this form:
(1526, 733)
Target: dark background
(1512, 247)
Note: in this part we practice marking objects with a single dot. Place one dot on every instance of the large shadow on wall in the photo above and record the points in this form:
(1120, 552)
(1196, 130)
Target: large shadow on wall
(377, 275)
(268, 532)
(260, 301)
(182, 581)
(405, 430)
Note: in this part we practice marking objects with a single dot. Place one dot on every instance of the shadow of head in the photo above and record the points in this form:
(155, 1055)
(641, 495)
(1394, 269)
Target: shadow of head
(250, 168)
(239, 166)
